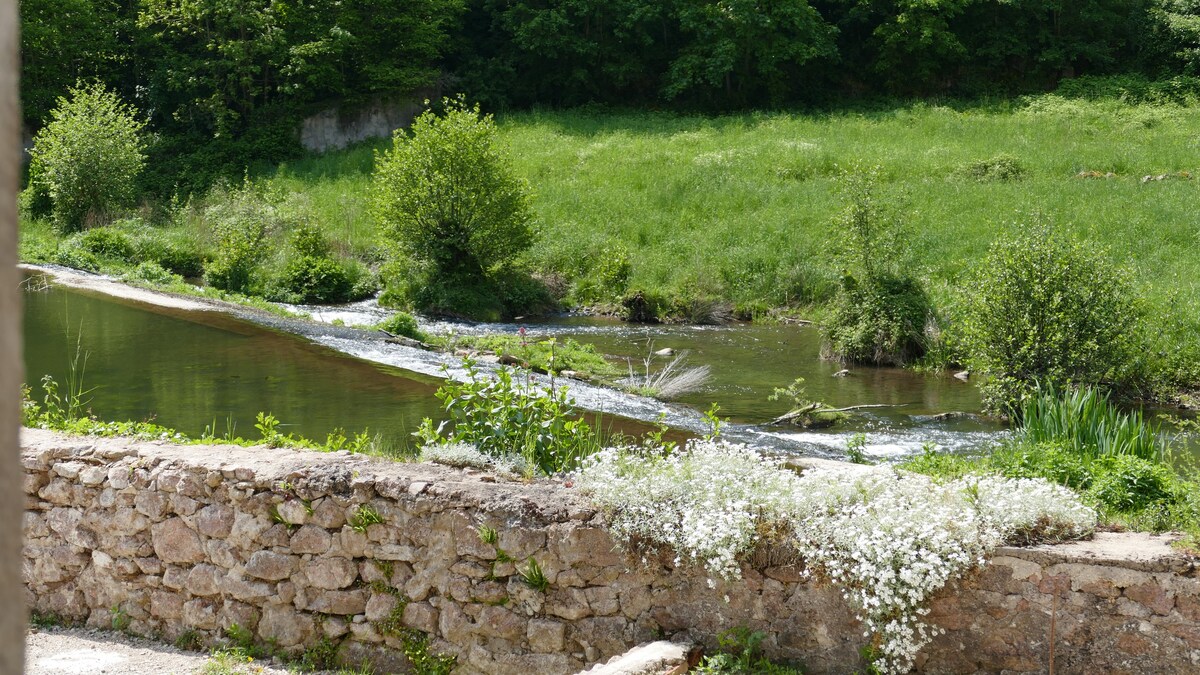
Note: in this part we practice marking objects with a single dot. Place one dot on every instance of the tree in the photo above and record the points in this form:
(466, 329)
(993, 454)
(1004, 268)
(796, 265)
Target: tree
(87, 159)
(1047, 309)
(447, 197)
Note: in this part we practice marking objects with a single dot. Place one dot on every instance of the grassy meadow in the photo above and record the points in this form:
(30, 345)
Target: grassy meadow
(739, 208)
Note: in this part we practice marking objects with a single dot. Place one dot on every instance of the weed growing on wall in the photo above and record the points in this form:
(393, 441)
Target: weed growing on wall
(503, 416)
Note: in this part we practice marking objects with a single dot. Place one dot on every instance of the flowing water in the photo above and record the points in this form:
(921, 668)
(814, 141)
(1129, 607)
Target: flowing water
(193, 370)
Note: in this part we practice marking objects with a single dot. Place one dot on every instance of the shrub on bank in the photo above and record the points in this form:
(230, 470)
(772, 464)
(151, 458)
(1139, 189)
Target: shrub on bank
(448, 200)
(880, 311)
(1047, 308)
(86, 160)
(503, 416)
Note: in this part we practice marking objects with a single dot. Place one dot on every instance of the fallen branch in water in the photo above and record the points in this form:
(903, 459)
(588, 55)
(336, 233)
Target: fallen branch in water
(812, 410)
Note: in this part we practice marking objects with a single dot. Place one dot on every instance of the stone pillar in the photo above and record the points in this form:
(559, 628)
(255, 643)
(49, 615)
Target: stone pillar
(12, 611)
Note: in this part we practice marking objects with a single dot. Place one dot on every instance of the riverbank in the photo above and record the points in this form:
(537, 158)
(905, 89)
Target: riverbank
(710, 218)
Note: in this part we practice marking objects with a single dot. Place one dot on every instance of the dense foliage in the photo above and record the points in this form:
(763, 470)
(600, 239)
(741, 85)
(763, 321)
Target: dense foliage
(1046, 308)
(880, 311)
(448, 199)
(87, 159)
(226, 81)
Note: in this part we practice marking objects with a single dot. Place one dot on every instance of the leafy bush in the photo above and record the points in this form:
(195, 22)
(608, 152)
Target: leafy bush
(311, 279)
(240, 226)
(740, 653)
(178, 258)
(105, 242)
(998, 168)
(448, 199)
(1047, 308)
(71, 253)
(152, 273)
(504, 417)
(1126, 483)
(880, 312)
(402, 323)
(88, 157)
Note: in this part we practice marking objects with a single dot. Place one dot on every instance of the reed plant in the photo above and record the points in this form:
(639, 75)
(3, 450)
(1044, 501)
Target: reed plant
(1088, 424)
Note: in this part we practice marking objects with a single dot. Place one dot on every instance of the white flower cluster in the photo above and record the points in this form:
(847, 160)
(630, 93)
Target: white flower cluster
(889, 539)
(706, 501)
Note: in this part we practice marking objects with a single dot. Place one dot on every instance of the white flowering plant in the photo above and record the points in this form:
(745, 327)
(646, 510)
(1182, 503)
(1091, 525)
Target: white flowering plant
(889, 539)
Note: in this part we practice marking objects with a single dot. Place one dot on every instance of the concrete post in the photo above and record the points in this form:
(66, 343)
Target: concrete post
(12, 609)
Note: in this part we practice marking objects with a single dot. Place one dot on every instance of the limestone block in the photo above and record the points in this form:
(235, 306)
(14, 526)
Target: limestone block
(421, 616)
(546, 636)
(175, 542)
(205, 579)
(339, 602)
(286, 626)
(327, 514)
(380, 606)
(331, 573)
(200, 613)
(311, 539)
(246, 530)
(292, 511)
(271, 566)
(151, 504)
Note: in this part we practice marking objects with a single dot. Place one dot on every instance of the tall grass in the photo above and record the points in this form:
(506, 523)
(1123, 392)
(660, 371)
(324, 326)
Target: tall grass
(1087, 423)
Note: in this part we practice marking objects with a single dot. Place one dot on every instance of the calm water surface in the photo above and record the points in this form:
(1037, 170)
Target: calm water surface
(189, 370)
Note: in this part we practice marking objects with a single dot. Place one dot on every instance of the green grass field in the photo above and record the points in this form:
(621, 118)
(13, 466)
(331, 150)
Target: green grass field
(739, 208)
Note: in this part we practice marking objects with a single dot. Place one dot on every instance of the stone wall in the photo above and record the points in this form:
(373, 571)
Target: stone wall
(337, 128)
(175, 539)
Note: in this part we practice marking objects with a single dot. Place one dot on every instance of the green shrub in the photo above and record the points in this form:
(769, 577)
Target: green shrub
(1127, 484)
(1054, 461)
(71, 254)
(998, 168)
(311, 279)
(86, 160)
(503, 417)
(447, 198)
(106, 242)
(740, 652)
(1047, 308)
(402, 323)
(178, 258)
(880, 312)
(240, 231)
(152, 273)
(607, 276)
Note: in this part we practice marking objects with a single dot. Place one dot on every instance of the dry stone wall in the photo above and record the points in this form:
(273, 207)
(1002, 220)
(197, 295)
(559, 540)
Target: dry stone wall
(172, 540)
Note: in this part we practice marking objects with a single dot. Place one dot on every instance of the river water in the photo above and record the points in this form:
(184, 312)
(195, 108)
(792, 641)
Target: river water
(193, 370)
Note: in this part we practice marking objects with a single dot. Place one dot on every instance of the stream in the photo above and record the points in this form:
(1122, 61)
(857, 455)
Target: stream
(196, 369)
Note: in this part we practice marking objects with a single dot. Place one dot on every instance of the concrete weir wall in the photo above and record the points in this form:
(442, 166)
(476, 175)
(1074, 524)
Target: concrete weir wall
(170, 539)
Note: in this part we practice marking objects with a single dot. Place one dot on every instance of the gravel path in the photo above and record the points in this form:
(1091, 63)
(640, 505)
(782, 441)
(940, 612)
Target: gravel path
(79, 651)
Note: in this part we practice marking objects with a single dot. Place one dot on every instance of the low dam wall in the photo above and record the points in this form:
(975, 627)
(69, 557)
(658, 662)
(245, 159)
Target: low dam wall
(370, 556)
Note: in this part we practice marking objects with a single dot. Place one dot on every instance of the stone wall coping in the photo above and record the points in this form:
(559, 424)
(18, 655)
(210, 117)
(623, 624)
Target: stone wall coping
(540, 500)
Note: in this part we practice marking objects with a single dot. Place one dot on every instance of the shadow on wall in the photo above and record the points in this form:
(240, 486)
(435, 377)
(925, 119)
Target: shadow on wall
(338, 127)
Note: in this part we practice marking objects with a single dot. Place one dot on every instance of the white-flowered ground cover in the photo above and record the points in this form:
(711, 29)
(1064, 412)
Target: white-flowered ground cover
(889, 539)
